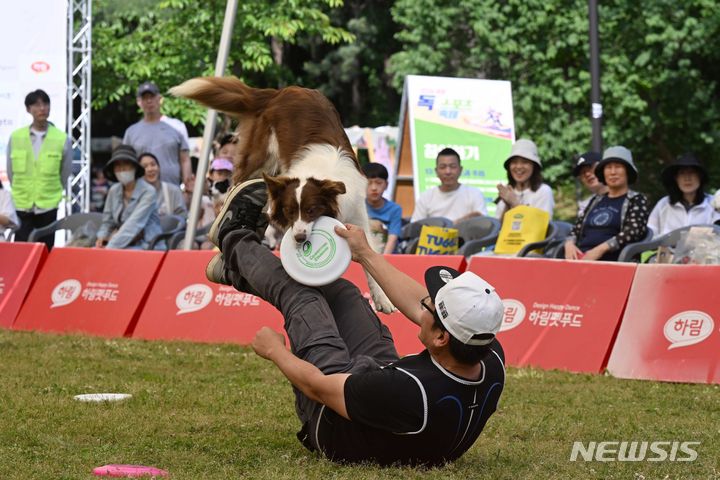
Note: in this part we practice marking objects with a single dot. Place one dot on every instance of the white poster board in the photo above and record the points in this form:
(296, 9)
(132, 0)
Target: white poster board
(33, 54)
(473, 117)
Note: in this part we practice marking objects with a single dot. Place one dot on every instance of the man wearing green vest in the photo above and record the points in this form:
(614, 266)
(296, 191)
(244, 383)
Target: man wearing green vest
(39, 164)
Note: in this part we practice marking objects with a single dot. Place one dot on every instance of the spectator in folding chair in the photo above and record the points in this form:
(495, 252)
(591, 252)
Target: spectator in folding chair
(584, 170)
(9, 220)
(612, 219)
(686, 203)
(99, 187)
(207, 210)
(219, 181)
(450, 199)
(385, 215)
(170, 197)
(225, 147)
(130, 218)
(525, 182)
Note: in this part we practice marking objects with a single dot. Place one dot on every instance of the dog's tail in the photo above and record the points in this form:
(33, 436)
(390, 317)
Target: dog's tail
(225, 94)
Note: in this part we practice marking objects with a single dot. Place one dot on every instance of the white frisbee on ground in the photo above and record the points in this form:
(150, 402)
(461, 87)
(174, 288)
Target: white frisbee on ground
(102, 397)
(319, 260)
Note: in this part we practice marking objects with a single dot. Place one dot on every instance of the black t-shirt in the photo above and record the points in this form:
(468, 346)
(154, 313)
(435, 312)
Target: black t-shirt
(411, 412)
(388, 399)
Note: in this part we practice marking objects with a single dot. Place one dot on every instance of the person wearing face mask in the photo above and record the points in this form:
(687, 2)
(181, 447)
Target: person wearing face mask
(130, 218)
(686, 203)
(525, 182)
(584, 170)
(612, 219)
(170, 197)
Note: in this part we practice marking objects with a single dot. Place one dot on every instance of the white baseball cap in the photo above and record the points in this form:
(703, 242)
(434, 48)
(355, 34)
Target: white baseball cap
(466, 305)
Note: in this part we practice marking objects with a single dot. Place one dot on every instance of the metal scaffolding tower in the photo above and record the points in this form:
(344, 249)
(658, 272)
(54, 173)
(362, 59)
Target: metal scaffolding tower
(79, 63)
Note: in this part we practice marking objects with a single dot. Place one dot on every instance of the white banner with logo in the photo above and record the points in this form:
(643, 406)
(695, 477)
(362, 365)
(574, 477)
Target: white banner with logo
(33, 35)
(472, 116)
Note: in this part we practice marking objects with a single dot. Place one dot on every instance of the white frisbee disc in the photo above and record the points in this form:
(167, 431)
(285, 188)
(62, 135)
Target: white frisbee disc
(319, 260)
(102, 397)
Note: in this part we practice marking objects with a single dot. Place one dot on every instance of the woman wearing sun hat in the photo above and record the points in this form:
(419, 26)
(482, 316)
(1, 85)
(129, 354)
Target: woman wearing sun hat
(130, 218)
(686, 203)
(525, 181)
(612, 219)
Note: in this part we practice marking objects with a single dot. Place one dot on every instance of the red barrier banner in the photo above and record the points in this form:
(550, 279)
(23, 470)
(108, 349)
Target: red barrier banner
(670, 327)
(405, 332)
(18, 264)
(184, 305)
(559, 314)
(88, 290)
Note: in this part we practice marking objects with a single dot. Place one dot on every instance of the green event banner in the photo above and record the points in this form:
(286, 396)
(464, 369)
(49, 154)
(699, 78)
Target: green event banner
(472, 116)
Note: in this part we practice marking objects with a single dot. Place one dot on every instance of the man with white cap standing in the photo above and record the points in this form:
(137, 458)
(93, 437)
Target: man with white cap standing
(356, 399)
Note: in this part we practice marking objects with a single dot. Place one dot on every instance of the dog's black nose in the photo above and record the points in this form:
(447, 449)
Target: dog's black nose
(300, 237)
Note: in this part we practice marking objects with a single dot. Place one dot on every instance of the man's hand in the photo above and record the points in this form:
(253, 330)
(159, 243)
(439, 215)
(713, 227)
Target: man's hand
(267, 341)
(100, 243)
(357, 241)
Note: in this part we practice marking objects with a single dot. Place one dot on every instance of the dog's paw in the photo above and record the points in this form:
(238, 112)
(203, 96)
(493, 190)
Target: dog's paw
(382, 303)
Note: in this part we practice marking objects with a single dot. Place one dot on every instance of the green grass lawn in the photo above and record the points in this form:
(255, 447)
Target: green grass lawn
(219, 411)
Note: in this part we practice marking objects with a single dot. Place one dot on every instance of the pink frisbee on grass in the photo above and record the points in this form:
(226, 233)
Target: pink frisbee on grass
(131, 471)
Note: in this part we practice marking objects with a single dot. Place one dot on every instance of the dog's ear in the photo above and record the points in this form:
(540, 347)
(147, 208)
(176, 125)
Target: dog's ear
(332, 187)
(278, 186)
(275, 185)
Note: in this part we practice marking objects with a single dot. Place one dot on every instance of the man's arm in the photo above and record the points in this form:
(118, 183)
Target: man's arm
(468, 217)
(390, 244)
(421, 209)
(306, 377)
(402, 290)
(477, 203)
(66, 164)
(8, 161)
(185, 166)
(394, 228)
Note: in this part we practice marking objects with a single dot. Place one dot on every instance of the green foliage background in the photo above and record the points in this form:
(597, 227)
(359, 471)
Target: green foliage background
(660, 63)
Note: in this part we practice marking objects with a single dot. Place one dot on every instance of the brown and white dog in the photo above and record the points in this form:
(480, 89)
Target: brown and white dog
(294, 139)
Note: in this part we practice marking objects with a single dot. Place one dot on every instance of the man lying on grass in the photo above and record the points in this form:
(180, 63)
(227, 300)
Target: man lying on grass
(357, 401)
